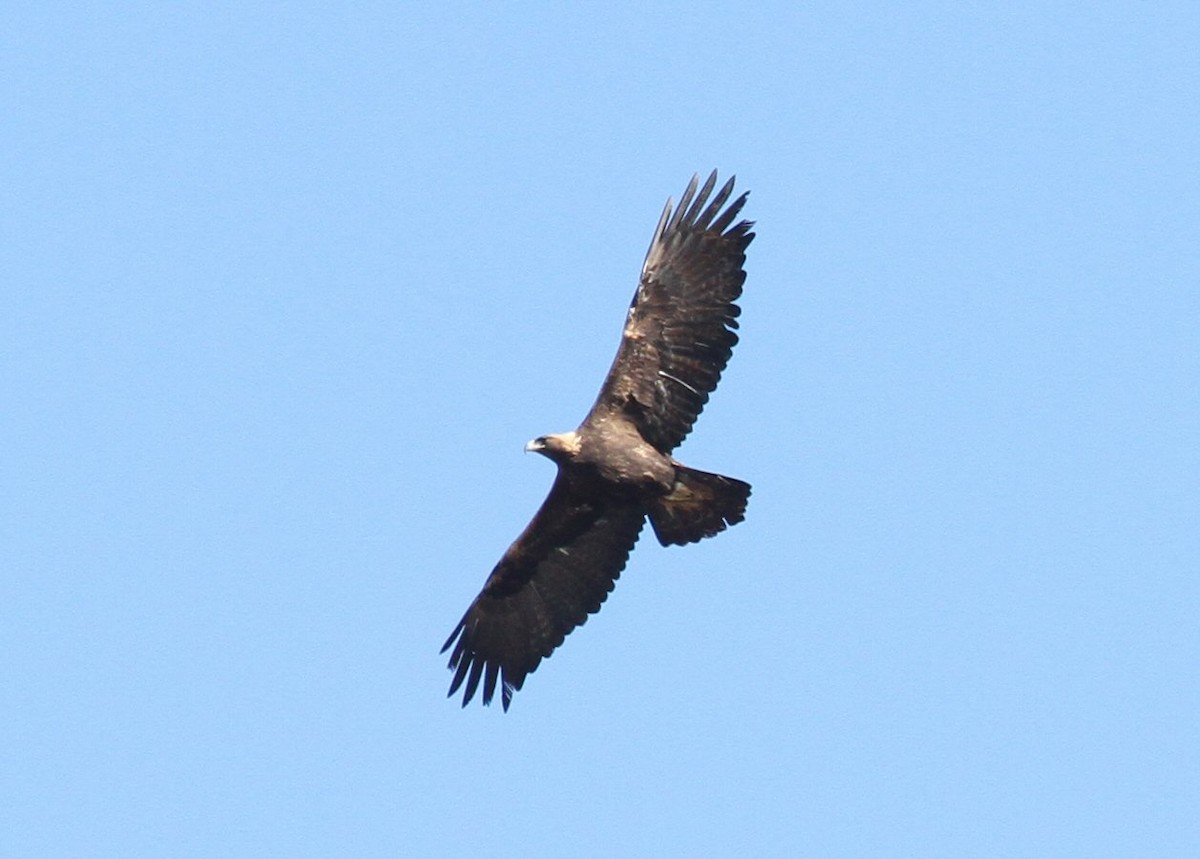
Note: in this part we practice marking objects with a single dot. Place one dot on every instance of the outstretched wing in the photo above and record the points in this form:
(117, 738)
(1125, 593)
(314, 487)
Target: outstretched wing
(679, 332)
(558, 571)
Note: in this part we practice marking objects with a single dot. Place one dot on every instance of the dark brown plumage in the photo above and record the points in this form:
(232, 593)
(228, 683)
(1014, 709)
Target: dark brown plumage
(616, 470)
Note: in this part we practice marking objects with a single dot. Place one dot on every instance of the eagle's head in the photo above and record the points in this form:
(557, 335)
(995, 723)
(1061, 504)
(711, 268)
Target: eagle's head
(558, 447)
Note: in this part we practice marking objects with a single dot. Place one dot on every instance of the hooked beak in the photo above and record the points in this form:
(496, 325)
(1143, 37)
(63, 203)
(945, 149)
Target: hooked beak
(535, 446)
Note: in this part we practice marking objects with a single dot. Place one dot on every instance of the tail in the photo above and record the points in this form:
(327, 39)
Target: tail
(699, 505)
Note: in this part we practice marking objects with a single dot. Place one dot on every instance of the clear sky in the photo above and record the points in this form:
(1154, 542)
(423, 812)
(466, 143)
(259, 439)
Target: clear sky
(287, 289)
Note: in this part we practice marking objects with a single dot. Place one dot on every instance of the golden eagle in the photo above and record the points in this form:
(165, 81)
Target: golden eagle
(616, 468)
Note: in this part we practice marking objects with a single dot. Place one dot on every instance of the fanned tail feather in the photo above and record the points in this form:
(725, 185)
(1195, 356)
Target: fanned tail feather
(699, 505)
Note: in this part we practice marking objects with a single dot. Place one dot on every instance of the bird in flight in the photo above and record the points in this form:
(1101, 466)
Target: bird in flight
(616, 468)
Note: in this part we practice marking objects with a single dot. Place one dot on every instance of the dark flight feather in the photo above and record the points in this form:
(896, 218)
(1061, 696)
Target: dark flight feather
(679, 332)
(557, 572)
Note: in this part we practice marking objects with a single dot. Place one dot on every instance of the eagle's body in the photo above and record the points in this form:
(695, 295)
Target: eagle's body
(616, 469)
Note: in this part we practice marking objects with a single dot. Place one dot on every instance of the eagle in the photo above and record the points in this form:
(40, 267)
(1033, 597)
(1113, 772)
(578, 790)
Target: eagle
(616, 469)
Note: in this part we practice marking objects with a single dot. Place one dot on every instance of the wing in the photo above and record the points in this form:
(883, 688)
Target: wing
(558, 571)
(679, 332)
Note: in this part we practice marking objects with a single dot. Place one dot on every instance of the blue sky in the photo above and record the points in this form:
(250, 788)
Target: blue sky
(288, 288)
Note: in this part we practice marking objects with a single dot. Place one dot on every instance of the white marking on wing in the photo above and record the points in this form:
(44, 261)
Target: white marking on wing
(678, 381)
